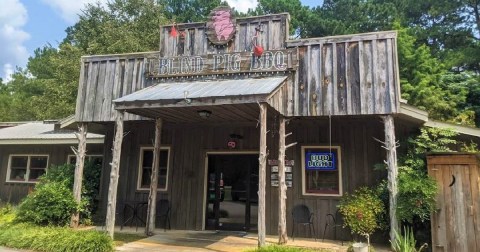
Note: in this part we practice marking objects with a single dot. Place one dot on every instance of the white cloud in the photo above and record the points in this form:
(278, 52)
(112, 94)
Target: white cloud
(243, 5)
(68, 9)
(13, 17)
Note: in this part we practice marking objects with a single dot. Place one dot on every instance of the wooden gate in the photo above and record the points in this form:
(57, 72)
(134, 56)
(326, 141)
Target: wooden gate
(456, 224)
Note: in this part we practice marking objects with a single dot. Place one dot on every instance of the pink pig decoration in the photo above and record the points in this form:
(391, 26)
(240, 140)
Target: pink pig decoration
(222, 24)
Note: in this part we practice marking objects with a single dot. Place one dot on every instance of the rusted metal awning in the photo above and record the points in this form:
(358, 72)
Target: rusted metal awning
(181, 100)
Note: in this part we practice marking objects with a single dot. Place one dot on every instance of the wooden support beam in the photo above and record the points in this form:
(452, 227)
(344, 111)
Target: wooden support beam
(114, 173)
(390, 146)
(282, 187)
(152, 198)
(80, 153)
(262, 174)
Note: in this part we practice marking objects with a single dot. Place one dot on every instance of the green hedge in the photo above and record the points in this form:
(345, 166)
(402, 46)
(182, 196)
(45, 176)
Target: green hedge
(26, 236)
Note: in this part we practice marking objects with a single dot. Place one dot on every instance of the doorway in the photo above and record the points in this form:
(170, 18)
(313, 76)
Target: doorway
(232, 186)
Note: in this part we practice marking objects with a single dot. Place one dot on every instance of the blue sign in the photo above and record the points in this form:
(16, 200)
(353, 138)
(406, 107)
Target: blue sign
(323, 161)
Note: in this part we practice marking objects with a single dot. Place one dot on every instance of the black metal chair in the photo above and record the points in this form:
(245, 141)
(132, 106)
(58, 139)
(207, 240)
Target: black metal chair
(333, 221)
(302, 216)
(163, 211)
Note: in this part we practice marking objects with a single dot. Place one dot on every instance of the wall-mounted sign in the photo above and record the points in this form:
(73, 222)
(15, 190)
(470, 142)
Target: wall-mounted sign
(320, 160)
(241, 62)
(287, 163)
(221, 25)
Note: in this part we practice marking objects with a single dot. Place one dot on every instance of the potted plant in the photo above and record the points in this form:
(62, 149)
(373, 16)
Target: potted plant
(361, 213)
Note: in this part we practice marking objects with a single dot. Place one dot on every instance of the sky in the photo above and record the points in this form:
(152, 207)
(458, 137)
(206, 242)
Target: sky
(29, 24)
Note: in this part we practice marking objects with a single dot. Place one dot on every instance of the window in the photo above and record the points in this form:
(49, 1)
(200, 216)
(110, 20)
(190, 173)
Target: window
(26, 168)
(96, 159)
(321, 170)
(145, 168)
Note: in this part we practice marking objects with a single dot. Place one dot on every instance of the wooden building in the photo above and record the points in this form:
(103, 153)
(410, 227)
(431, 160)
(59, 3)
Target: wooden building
(28, 149)
(209, 94)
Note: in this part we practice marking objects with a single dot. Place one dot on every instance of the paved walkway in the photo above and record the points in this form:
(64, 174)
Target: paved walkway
(200, 241)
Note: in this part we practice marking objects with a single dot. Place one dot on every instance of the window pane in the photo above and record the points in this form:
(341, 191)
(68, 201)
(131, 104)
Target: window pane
(147, 169)
(72, 160)
(19, 162)
(35, 174)
(38, 162)
(18, 174)
(322, 170)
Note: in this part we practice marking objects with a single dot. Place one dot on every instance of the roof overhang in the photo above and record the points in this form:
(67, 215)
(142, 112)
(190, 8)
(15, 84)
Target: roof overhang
(49, 141)
(227, 99)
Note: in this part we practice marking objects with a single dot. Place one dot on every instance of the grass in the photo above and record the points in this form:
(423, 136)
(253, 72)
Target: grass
(122, 238)
(277, 248)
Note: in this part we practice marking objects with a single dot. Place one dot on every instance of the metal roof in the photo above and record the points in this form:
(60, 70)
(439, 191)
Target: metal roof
(204, 89)
(41, 133)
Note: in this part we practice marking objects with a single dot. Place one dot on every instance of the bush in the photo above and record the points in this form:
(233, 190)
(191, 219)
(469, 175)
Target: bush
(406, 242)
(49, 204)
(26, 236)
(362, 211)
(90, 184)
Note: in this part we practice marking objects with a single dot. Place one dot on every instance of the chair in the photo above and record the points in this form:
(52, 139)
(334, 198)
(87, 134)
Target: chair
(333, 221)
(302, 216)
(163, 211)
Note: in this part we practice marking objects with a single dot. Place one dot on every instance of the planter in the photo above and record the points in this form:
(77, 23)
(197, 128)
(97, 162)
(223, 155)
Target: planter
(360, 247)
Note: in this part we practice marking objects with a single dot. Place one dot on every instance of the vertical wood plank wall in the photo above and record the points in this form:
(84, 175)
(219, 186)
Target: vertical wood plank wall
(190, 143)
(195, 42)
(456, 224)
(57, 155)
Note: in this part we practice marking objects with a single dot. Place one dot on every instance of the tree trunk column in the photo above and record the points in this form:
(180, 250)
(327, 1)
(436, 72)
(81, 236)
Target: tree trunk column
(262, 174)
(390, 145)
(114, 173)
(152, 198)
(79, 165)
(282, 187)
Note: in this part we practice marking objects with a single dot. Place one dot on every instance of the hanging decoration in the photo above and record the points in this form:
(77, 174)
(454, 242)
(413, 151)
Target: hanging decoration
(257, 49)
(173, 31)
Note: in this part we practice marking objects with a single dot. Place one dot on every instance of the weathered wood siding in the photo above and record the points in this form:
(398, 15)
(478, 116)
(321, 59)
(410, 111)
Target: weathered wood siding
(347, 75)
(195, 42)
(105, 78)
(57, 154)
(456, 223)
(189, 144)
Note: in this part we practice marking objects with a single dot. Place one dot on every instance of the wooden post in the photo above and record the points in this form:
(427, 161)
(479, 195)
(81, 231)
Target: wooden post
(262, 161)
(152, 198)
(114, 173)
(282, 187)
(79, 164)
(390, 146)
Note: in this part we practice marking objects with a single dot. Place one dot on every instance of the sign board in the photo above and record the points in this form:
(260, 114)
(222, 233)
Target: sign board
(221, 26)
(320, 160)
(224, 63)
(287, 162)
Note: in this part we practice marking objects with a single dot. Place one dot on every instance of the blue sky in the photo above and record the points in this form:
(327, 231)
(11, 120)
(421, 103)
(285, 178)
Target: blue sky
(29, 24)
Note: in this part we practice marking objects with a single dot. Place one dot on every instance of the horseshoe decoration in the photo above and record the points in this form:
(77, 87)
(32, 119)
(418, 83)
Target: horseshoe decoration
(453, 181)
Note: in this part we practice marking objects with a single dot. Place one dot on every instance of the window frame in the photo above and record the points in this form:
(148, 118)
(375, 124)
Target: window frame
(86, 156)
(339, 165)
(140, 168)
(28, 168)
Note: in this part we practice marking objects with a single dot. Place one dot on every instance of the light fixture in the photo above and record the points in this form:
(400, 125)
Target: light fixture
(204, 113)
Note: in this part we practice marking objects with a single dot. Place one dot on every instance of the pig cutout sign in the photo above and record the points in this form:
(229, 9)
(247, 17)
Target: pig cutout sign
(221, 25)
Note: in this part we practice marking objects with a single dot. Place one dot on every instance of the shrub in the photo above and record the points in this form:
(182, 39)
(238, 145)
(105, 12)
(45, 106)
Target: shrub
(49, 204)
(26, 236)
(361, 211)
(90, 184)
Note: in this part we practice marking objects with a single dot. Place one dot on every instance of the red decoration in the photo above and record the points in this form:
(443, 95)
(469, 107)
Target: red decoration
(173, 31)
(231, 144)
(258, 51)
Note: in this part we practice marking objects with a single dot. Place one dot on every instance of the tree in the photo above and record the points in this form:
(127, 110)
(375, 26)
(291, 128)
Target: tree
(186, 11)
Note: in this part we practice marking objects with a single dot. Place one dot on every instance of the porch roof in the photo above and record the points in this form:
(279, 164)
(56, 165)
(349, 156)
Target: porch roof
(230, 99)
